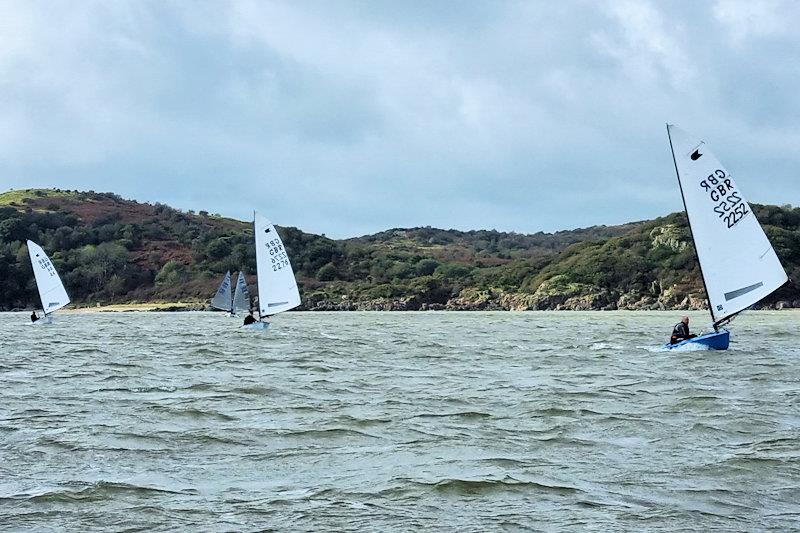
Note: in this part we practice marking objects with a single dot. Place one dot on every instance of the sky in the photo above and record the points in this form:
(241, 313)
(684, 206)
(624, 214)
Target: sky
(351, 117)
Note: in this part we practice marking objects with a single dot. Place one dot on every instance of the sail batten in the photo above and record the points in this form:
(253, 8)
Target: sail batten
(52, 293)
(744, 290)
(738, 264)
(277, 287)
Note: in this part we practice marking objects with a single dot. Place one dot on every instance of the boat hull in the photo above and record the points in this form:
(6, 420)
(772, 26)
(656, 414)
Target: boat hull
(257, 326)
(718, 340)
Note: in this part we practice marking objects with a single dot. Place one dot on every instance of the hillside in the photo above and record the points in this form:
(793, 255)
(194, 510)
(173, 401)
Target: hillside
(112, 250)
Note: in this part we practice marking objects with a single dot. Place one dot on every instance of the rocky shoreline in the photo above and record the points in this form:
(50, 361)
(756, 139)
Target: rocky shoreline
(498, 300)
(471, 299)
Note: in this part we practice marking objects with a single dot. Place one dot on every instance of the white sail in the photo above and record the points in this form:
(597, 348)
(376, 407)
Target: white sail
(241, 299)
(738, 263)
(51, 290)
(277, 287)
(222, 300)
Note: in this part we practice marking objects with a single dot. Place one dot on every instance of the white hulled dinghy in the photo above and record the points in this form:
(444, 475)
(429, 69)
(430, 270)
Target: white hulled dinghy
(222, 299)
(51, 290)
(738, 264)
(277, 286)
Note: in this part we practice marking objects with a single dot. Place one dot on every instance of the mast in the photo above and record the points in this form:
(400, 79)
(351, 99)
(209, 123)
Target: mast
(255, 244)
(691, 233)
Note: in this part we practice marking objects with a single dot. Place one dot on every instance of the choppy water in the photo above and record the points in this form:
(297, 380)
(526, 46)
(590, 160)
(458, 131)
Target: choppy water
(397, 421)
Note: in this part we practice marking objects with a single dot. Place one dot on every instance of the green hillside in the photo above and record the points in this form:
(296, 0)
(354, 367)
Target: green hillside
(112, 250)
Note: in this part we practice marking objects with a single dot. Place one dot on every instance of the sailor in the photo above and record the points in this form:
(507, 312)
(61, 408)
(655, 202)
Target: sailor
(34, 318)
(681, 331)
(249, 319)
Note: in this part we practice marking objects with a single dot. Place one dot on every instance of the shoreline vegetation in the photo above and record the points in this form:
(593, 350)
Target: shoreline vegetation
(183, 307)
(129, 256)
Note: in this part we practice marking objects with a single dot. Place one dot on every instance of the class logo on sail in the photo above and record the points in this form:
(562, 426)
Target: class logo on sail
(695, 154)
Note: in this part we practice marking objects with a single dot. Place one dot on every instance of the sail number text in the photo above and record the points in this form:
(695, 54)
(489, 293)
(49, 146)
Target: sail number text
(278, 255)
(46, 265)
(728, 202)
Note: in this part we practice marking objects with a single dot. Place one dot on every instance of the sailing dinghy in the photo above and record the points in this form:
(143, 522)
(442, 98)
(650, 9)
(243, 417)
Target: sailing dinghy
(277, 286)
(51, 291)
(222, 299)
(738, 264)
(241, 299)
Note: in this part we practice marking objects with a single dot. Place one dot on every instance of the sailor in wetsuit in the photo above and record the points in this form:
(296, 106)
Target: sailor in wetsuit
(34, 318)
(681, 331)
(249, 319)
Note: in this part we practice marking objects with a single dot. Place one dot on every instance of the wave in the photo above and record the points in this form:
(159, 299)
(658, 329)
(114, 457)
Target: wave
(56, 443)
(207, 352)
(691, 347)
(558, 411)
(698, 398)
(193, 412)
(206, 438)
(200, 386)
(122, 365)
(605, 346)
(505, 461)
(139, 390)
(568, 441)
(86, 351)
(458, 414)
(317, 368)
(328, 433)
(260, 390)
(98, 491)
(488, 486)
(363, 422)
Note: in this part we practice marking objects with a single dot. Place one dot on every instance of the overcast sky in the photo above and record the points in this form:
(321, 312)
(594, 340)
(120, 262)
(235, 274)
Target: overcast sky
(346, 118)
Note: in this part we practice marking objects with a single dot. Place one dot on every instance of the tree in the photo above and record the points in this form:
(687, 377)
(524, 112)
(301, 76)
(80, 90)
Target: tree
(328, 272)
(171, 273)
(426, 267)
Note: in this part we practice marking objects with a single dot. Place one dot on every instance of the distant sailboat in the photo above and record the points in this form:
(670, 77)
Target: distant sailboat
(51, 291)
(738, 265)
(222, 299)
(277, 286)
(241, 298)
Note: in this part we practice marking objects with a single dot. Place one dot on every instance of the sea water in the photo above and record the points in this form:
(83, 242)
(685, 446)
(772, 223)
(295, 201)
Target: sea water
(397, 421)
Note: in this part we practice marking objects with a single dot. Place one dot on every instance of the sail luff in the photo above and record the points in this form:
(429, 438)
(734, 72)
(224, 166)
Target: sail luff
(689, 222)
(258, 267)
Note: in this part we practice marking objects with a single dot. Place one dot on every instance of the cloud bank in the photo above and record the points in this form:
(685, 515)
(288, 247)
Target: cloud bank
(350, 117)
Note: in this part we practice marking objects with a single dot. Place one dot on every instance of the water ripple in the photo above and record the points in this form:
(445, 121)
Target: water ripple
(397, 421)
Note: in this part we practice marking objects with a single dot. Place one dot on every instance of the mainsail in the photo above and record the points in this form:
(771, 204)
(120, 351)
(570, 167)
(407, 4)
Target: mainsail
(737, 261)
(222, 300)
(277, 287)
(51, 290)
(241, 298)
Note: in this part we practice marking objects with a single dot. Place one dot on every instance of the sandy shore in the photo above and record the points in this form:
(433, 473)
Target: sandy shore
(140, 307)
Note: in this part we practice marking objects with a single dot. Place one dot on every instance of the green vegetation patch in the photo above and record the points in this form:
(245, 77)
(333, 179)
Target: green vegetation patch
(110, 250)
(21, 197)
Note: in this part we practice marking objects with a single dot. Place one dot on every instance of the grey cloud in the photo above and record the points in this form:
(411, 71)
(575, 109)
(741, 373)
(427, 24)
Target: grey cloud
(347, 118)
